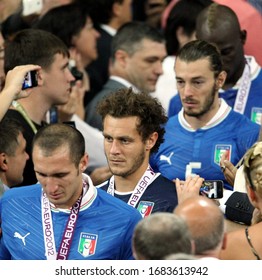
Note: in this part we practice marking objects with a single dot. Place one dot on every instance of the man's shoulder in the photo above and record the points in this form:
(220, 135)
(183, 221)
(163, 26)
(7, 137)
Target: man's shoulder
(112, 84)
(115, 204)
(103, 185)
(104, 40)
(172, 122)
(109, 87)
(164, 187)
(24, 192)
(246, 123)
(12, 113)
(163, 181)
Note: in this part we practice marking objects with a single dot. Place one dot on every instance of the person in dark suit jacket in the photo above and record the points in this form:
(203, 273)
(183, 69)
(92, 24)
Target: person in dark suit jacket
(108, 16)
(137, 54)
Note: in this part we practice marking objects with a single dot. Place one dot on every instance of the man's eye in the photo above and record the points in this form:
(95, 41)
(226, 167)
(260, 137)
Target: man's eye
(198, 83)
(60, 175)
(108, 139)
(180, 82)
(124, 141)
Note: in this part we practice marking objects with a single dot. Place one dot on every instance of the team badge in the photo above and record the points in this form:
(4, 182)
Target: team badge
(256, 114)
(145, 208)
(220, 150)
(87, 244)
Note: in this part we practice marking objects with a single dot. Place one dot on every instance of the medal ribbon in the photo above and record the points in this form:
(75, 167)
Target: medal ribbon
(48, 230)
(140, 188)
(243, 91)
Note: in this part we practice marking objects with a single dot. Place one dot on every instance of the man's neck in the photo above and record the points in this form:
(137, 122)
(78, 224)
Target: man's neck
(36, 110)
(2, 179)
(201, 121)
(3, 184)
(114, 23)
(128, 184)
(214, 254)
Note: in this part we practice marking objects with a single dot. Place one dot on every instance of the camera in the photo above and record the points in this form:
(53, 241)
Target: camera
(78, 75)
(212, 189)
(30, 80)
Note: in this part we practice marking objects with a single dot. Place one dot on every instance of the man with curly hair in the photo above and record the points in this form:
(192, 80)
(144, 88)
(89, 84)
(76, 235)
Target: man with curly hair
(132, 129)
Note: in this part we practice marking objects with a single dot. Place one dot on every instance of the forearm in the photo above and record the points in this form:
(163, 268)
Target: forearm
(6, 98)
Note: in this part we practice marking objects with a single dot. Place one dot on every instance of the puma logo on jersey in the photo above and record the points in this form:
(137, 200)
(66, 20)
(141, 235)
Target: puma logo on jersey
(19, 236)
(167, 159)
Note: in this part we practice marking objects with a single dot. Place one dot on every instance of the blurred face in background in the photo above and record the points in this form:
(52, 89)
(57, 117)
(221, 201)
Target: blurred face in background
(16, 162)
(125, 11)
(144, 67)
(85, 42)
(56, 81)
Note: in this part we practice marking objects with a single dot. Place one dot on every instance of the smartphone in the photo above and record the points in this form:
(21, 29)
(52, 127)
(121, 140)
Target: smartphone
(78, 75)
(30, 80)
(212, 189)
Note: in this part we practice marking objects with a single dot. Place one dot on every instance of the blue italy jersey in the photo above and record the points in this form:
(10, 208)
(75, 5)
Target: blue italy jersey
(253, 108)
(159, 196)
(105, 221)
(199, 151)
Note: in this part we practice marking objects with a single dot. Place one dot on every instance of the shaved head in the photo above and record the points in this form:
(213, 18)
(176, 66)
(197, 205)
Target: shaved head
(205, 221)
(219, 25)
(215, 18)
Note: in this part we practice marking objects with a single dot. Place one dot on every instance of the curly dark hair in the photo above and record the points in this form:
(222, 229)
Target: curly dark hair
(125, 103)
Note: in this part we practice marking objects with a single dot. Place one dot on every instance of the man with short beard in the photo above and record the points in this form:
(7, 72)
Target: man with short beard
(133, 129)
(206, 126)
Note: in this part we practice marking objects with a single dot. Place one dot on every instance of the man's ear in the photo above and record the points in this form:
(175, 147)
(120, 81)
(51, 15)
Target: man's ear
(3, 162)
(40, 77)
(83, 163)
(121, 58)
(243, 36)
(220, 80)
(151, 141)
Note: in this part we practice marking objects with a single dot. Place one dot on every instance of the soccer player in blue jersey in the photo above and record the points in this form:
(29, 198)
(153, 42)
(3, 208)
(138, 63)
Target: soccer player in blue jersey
(64, 216)
(206, 127)
(132, 129)
(242, 89)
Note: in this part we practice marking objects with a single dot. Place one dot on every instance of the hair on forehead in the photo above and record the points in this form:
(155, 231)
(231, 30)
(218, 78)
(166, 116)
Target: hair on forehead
(33, 46)
(54, 136)
(130, 36)
(126, 103)
(198, 49)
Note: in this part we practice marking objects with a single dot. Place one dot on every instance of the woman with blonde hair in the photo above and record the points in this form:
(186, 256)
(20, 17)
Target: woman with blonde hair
(246, 244)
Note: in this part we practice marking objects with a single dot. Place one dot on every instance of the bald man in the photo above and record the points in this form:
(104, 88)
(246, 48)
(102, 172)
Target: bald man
(160, 235)
(206, 224)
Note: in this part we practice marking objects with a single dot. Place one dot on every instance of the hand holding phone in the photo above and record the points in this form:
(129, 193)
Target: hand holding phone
(212, 189)
(30, 80)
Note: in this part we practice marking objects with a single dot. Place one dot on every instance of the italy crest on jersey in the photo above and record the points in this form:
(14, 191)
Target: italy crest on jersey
(145, 208)
(256, 114)
(220, 150)
(87, 244)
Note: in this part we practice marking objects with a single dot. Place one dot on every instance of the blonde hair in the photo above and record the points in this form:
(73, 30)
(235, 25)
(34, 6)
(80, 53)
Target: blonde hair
(253, 167)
